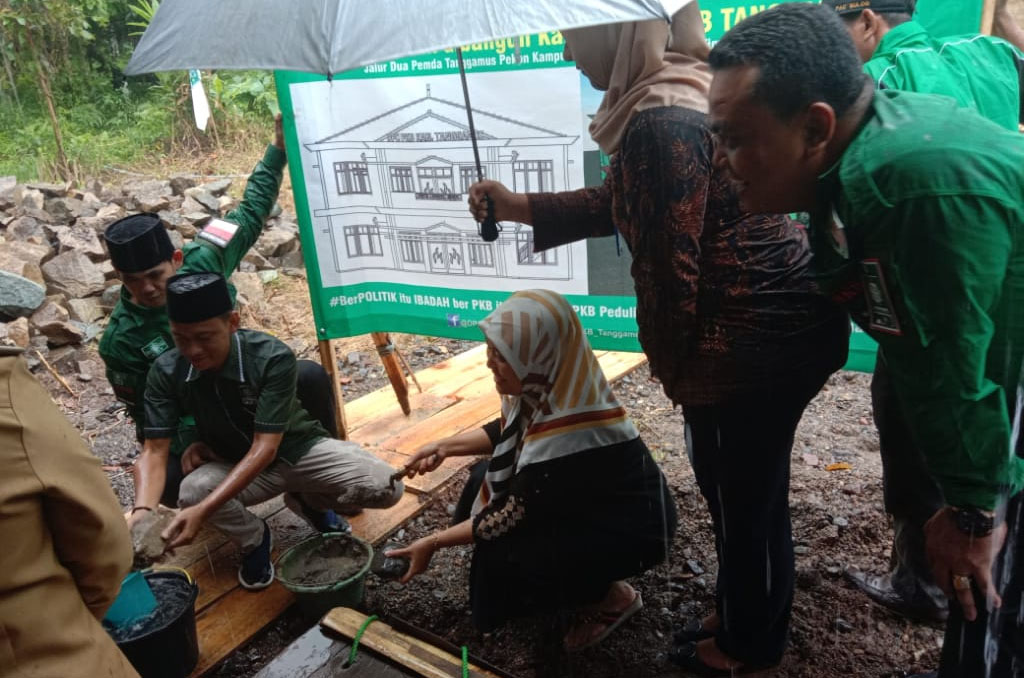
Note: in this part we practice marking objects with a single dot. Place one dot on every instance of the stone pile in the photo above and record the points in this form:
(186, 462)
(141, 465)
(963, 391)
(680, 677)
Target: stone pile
(57, 285)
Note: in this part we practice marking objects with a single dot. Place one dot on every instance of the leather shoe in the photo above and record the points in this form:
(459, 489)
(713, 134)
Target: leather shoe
(685, 657)
(915, 605)
(690, 631)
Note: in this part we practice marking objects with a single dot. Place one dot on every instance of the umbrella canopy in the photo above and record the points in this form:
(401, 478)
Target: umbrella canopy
(331, 36)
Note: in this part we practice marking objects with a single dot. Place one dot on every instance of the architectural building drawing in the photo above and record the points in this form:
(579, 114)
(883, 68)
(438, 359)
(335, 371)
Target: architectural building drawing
(395, 190)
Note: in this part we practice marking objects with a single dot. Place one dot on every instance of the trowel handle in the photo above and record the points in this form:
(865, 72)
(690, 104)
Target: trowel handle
(489, 227)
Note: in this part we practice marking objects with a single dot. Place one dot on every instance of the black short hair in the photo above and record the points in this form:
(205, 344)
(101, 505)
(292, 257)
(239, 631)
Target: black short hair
(891, 19)
(804, 53)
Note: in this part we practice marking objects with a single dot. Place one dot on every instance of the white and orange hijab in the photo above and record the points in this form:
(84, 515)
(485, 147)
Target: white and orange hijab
(566, 406)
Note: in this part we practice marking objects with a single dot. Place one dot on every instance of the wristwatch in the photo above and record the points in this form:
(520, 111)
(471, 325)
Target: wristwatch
(973, 521)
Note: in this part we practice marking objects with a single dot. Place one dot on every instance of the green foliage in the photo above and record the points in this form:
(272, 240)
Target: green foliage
(105, 118)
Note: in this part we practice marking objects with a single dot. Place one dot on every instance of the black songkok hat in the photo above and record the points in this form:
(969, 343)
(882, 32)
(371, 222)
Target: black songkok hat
(195, 297)
(879, 6)
(138, 243)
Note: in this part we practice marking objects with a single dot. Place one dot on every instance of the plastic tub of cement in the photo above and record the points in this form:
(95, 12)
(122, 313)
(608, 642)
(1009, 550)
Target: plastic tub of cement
(326, 571)
(163, 644)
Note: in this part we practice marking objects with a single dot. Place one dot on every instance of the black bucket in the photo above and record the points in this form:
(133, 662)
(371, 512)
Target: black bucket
(164, 645)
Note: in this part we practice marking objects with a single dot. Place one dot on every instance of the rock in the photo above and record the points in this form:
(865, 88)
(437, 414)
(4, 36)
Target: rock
(694, 567)
(354, 358)
(842, 625)
(84, 377)
(192, 206)
(111, 211)
(267, 277)
(49, 312)
(96, 224)
(801, 549)
(276, 242)
(170, 219)
(83, 240)
(145, 186)
(66, 210)
(25, 228)
(50, 190)
(7, 185)
(63, 333)
(289, 226)
(808, 578)
(186, 228)
(108, 270)
(73, 274)
(19, 296)
(203, 197)
(840, 521)
(64, 359)
(27, 198)
(176, 240)
(258, 260)
(18, 332)
(152, 202)
(293, 260)
(389, 568)
(217, 187)
(90, 200)
(146, 540)
(111, 295)
(294, 272)
(86, 310)
(249, 285)
(10, 262)
(811, 459)
(226, 203)
(181, 182)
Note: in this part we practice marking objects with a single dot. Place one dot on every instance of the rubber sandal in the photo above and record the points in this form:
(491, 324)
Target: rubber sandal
(686, 658)
(611, 620)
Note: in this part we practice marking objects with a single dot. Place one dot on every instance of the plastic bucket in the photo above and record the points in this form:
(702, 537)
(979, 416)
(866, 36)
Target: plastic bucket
(316, 599)
(164, 645)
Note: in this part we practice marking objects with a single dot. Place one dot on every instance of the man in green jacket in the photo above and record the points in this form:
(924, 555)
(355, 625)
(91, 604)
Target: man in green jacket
(138, 331)
(917, 214)
(984, 74)
(259, 440)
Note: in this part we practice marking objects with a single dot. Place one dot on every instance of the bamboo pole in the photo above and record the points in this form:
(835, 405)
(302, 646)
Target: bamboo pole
(330, 362)
(386, 351)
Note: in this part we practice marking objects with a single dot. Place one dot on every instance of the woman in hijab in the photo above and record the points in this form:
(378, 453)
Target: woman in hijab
(572, 502)
(728, 313)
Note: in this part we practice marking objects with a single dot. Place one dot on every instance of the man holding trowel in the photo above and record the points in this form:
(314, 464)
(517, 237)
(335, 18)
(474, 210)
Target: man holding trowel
(240, 385)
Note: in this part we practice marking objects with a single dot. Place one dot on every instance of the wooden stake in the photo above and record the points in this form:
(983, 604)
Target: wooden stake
(55, 374)
(386, 350)
(988, 14)
(330, 362)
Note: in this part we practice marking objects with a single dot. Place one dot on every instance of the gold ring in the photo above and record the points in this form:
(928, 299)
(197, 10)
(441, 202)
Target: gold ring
(962, 582)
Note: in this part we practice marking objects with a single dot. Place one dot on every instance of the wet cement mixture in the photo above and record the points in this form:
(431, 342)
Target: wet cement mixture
(331, 561)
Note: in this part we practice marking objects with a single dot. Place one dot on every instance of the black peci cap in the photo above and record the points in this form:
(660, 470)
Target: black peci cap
(879, 6)
(138, 243)
(195, 297)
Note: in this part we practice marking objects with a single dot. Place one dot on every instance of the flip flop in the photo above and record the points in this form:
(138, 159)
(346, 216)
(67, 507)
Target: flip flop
(611, 620)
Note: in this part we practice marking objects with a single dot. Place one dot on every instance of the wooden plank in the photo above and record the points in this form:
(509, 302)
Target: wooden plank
(390, 422)
(421, 657)
(617, 364)
(234, 619)
(210, 539)
(315, 654)
(374, 525)
(217, 575)
(455, 419)
(449, 373)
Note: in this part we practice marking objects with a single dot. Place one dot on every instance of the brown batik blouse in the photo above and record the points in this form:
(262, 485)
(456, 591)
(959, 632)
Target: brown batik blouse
(725, 300)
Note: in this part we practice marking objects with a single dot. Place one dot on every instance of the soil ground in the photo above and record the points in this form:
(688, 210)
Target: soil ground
(837, 521)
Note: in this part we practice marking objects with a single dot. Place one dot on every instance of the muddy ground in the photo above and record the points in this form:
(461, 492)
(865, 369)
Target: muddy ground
(837, 521)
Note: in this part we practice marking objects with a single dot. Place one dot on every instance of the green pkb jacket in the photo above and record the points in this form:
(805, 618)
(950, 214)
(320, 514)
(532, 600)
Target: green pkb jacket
(136, 335)
(926, 205)
(978, 71)
(253, 392)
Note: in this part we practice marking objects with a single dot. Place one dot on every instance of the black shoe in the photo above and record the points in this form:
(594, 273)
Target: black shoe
(915, 605)
(690, 631)
(685, 657)
(323, 522)
(256, 571)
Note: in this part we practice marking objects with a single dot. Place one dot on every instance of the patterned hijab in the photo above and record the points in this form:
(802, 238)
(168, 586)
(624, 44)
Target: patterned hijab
(566, 406)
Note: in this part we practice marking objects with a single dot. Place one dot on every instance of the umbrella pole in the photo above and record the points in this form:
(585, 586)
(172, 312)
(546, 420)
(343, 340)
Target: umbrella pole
(489, 227)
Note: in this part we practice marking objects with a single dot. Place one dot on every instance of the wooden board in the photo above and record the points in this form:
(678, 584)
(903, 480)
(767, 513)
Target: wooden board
(424, 406)
(421, 657)
(374, 525)
(425, 484)
(320, 654)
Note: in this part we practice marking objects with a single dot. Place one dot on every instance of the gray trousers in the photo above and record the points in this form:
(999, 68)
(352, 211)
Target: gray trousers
(333, 474)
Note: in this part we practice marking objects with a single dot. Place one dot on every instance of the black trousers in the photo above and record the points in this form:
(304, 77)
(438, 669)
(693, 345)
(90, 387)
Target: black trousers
(992, 646)
(911, 495)
(316, 395)
(740, 451)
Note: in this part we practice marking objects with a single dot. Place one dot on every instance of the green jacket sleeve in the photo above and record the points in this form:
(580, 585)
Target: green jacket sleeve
(956, 407)
(251, 214)
(162, 411)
